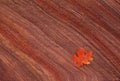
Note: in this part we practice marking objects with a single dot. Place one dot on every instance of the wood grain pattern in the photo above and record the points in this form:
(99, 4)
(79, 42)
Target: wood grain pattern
(38, 37)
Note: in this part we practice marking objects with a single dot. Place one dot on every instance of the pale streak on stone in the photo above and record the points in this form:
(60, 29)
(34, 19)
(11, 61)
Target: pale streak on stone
(25, 58)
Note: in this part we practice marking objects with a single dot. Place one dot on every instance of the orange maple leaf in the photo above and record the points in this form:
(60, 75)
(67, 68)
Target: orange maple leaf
(82, 57)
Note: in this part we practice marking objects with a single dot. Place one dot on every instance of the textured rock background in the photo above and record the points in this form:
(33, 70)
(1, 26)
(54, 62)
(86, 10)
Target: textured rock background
(38, 37)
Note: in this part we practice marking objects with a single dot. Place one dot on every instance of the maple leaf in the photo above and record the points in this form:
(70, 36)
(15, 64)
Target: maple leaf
(82, 57)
